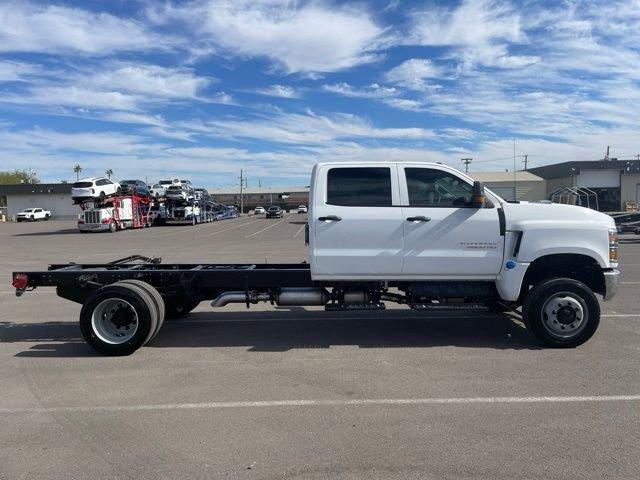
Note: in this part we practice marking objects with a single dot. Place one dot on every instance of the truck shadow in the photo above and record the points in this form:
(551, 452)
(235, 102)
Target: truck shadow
(65, 231)
(282, 331)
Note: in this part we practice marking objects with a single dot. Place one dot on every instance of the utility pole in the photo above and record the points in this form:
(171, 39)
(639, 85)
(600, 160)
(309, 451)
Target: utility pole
(109, 173)
(259, 183)
(466, 162)
(606, 157)
(525, 160)
(638, 156)
(241, 192)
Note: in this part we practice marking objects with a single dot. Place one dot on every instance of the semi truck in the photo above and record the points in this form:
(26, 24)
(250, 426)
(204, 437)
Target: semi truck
(422, 235)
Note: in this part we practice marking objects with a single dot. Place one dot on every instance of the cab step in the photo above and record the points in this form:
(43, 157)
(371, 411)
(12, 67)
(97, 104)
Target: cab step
(449, 307)
(341, 307)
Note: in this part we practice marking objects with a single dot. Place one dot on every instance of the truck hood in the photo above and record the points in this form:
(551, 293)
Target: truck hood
(554, 213)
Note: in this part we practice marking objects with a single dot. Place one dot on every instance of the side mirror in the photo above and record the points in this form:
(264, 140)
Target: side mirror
(478, 194)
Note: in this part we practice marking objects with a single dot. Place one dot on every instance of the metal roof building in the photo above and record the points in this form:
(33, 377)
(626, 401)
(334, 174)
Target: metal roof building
(55, 197)
(613, 181)
(522, 186)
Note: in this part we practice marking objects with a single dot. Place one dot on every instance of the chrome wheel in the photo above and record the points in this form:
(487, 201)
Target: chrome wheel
(114, 321)
(564, 315)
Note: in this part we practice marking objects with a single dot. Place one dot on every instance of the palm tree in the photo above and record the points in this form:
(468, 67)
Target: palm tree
(109, 173)
(77, 169)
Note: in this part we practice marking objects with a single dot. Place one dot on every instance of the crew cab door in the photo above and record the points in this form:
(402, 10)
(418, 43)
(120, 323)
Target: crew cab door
(444, 235)
(356, 222)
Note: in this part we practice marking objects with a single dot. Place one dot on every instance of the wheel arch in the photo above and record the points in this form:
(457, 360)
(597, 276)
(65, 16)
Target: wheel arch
(577, 266)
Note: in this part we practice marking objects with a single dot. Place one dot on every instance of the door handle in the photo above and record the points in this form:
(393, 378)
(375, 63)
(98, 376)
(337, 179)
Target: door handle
(419, 218)
(333, 218)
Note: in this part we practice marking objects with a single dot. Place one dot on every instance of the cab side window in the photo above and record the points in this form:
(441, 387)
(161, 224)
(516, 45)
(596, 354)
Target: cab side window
(359, 187)
(436, 188)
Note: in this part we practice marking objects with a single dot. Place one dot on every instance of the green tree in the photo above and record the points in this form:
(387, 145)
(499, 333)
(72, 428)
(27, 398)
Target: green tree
(15, 177)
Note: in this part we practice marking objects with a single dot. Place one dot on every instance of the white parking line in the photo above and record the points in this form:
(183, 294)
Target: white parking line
(365, 402)
(629, 283)
(226, 229)
(267, 228)
(298, 232)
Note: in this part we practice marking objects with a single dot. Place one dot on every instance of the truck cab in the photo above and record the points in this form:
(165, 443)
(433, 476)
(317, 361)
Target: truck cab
(418, 226)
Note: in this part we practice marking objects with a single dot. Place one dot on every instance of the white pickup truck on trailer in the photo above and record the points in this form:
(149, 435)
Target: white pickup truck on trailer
(419, 234)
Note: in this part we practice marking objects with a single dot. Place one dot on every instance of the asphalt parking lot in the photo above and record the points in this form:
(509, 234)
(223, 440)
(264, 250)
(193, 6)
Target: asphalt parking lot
(300, 393)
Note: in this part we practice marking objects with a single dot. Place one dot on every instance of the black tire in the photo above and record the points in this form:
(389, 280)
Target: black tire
(138, 301)
(179, 308)
(101, 197)
(570, 325)
(46, 218)
(33, 219)
(113, 227)
(158, 302)
(118, 190)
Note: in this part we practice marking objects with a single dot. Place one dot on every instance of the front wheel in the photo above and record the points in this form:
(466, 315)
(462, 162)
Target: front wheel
(561, 312)
(46, 218)
(113, 227)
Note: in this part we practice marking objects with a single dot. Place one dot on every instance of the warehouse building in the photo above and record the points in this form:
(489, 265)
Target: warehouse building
(252, 197)
(55, 197)
(523, 186)
(615, 182)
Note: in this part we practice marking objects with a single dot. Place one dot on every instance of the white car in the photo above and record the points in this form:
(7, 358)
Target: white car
(259, 210)
(94, 189)
(157, 190)
(33, 215)
(302, 209)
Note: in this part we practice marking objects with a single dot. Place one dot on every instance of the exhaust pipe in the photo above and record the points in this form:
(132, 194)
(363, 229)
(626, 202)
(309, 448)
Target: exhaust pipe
(286, 297)
(226, 298)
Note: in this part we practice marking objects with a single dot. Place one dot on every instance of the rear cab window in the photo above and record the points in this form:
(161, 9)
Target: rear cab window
(359, 187)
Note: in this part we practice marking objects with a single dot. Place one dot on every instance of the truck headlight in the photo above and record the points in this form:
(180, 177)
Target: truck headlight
(613, 247)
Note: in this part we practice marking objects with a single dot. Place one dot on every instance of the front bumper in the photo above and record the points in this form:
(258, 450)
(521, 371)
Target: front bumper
(611, 283)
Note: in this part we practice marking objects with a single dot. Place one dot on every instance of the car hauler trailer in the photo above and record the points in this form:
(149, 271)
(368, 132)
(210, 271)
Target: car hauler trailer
(418, 234)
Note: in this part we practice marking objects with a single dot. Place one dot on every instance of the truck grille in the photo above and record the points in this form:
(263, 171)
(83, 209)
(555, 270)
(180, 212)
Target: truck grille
(92, 216)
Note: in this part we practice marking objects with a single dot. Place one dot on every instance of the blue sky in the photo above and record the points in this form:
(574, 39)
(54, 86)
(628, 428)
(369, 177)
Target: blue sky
(203, 88)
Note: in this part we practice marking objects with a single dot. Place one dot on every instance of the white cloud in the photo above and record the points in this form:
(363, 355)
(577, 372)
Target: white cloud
(298, 37)
(70, 96)
(414, 73)
(17, 71)
(473, 22)
(373, 90)
(30, 27)
(304, 129)
(148, 80)
(281, 91)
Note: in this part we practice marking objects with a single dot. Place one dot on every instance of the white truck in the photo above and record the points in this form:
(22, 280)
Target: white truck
(421, 235)
(33, 215)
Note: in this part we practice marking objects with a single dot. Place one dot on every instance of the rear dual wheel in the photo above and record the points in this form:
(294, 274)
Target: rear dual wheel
(120, 318)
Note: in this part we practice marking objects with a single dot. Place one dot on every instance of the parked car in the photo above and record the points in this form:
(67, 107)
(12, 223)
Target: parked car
(157, 191)
(275, 212)
(183, 192)
(137, 187)
(33, 215)
(302, 209)
(259, 210)
(98, 188)
(158, 214)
